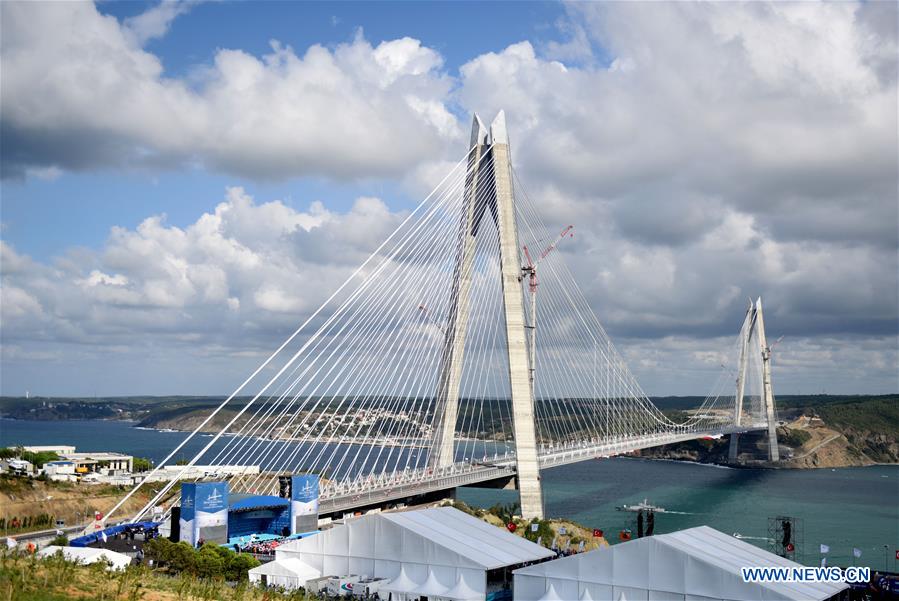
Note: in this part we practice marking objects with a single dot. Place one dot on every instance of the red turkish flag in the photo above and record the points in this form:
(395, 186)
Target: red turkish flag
(511, 526)
(597, 532)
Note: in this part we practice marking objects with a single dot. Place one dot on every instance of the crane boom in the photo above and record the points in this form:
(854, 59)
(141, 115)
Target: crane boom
(552, 246)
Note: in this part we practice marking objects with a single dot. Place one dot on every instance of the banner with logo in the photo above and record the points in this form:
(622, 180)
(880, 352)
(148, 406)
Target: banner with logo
(303, 504)
(204, 512)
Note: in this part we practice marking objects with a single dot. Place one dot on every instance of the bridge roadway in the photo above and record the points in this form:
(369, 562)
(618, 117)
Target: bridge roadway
(417, 483)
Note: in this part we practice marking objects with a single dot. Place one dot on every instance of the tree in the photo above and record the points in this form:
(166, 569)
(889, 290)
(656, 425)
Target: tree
(182, 557)
(208, 563)
(142, 464)
(504, 512)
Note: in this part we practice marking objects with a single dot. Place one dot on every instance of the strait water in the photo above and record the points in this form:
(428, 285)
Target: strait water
(842, 508)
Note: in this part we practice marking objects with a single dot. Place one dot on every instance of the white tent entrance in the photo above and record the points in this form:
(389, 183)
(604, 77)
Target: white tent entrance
(439, 553)
(285, 573)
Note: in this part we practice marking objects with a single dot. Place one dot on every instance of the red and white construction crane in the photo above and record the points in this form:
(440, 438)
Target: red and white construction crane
(530, 271)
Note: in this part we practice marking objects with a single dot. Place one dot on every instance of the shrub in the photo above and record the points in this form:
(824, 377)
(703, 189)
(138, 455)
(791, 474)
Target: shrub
(210, 561)
(793, 437)
(544, 531)
(240, 564)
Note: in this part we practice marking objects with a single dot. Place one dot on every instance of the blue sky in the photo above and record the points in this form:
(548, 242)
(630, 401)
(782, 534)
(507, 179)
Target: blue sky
(700, 167)
(43, 218)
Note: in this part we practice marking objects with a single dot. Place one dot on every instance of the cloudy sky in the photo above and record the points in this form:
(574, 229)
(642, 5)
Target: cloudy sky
(183, 183)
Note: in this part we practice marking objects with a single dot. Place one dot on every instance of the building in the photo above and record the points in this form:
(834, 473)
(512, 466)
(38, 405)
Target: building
(440, 552)
(105, 463)
(20, 467)
(698, 564)
(197, 472)
(58, 449)
(63, 471)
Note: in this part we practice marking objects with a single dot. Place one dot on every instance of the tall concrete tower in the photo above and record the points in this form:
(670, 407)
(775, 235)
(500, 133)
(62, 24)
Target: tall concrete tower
(488, 191)
(754, 329)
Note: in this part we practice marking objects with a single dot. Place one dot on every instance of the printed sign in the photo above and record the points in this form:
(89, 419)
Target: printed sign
(304, 503)
(204, 512)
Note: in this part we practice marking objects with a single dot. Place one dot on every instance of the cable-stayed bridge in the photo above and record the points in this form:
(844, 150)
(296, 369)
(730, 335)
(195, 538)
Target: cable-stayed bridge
(462, 351)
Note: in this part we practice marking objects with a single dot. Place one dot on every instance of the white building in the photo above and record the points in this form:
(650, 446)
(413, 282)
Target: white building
(58, 449)
(440, 552)
(19, 466)
(63, 471)
(698, 564)
(106, 463)
(194, 472)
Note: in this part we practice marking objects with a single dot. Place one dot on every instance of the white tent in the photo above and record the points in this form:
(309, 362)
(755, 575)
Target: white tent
(698, 564)
(87, 555)
(399, 587)
(461, 591)
(442, 550)
(432, 587)
(288, 573)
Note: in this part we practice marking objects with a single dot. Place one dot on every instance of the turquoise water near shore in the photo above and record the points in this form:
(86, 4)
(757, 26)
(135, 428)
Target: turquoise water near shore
(842, 508)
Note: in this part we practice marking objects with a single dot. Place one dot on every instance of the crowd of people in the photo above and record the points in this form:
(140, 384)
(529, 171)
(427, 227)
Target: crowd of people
(258, 547)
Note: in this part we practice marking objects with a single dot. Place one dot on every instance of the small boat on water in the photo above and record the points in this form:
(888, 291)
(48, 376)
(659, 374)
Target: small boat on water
(644, 506)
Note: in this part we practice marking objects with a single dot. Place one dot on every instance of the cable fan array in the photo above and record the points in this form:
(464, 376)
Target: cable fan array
(584, 392)
(351, 395)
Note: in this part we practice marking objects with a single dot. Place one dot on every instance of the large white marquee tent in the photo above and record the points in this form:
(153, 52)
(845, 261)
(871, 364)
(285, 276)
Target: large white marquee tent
(698, 564)
(439, 553)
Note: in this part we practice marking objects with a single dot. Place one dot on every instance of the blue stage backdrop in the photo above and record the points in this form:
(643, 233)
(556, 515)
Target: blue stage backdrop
(204, 512)
(304, 504)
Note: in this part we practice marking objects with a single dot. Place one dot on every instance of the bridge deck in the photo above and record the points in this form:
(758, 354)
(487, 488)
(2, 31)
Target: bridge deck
(414, 483)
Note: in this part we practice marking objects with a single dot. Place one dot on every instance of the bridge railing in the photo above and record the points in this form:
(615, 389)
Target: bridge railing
(550, 455)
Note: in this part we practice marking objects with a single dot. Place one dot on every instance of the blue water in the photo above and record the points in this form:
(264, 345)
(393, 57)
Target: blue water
(97, 435)
(843, 508)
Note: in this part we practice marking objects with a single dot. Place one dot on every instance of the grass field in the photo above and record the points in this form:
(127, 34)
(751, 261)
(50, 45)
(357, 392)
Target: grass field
(26, 578)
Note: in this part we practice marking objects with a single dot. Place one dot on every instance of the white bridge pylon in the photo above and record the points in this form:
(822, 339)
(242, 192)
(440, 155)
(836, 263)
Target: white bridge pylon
(428, 368)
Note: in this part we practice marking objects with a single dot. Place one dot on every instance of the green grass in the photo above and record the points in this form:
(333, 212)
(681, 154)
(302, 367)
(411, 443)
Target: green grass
(27, 578)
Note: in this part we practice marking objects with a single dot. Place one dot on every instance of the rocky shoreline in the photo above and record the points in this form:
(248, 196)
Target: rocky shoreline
(805, 443)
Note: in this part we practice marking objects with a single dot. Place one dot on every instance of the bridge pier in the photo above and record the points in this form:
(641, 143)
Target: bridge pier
(767, 390)
(452, 358)
(733, 451)
(523, 422)
(499, 203)
(755, 324)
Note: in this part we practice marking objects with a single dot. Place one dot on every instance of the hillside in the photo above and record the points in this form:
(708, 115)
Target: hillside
(817, 431)
(26, 497)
